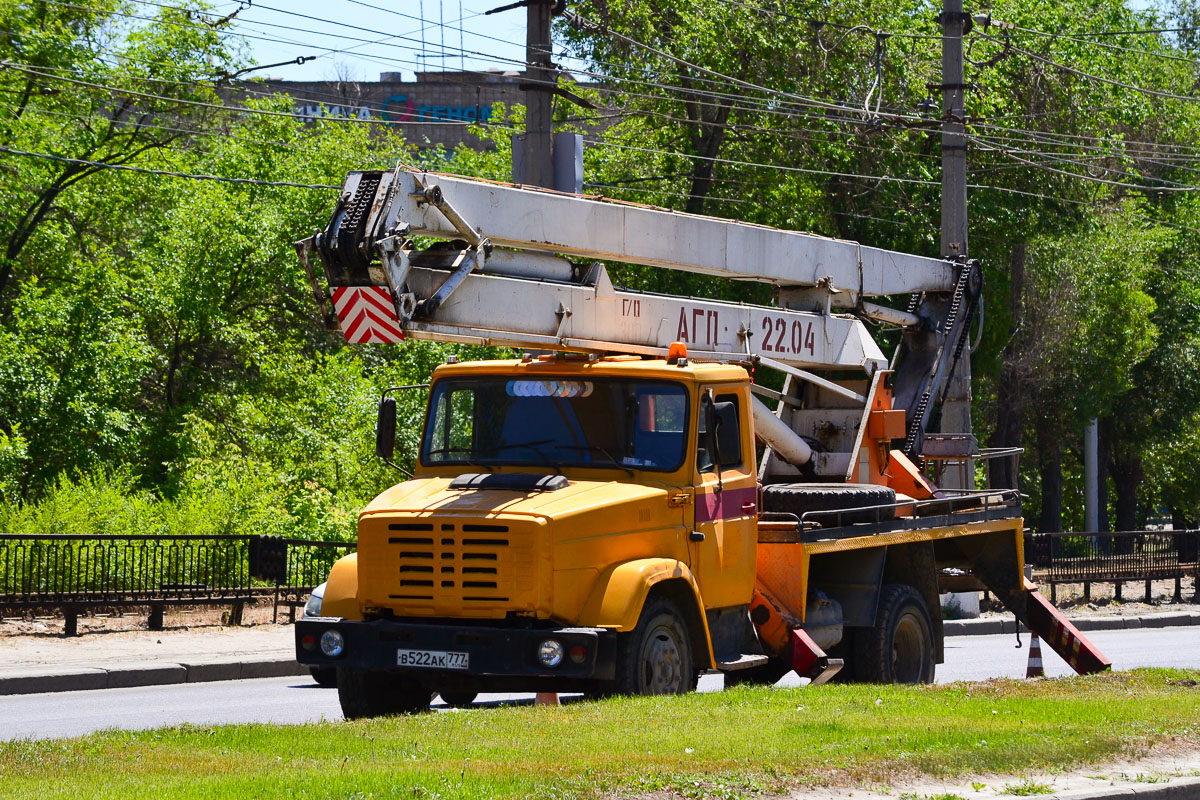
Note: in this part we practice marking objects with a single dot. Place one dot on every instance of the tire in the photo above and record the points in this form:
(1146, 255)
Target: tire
(899, 649)
(656, 656)
(374, 693)
(765, 675)
(459, 699)
(799, 498)
(325, 676)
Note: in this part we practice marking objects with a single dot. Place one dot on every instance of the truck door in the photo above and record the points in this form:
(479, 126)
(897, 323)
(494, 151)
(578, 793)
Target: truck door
(724, 534)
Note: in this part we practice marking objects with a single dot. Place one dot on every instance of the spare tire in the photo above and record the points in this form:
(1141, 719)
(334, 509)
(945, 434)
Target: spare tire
(799, 498)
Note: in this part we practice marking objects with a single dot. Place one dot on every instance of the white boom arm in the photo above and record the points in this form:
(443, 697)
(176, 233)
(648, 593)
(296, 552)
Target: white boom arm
(498, 276)
(547, 222)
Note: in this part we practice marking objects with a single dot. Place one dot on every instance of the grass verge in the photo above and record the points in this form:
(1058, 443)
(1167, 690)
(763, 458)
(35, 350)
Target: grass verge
(723, 745)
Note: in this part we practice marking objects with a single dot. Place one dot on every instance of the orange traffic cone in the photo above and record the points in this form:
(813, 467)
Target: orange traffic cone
(546, 699)
(1034, 669)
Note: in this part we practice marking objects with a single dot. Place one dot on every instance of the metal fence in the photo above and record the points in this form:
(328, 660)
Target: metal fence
(74, 572)
(1115, 558)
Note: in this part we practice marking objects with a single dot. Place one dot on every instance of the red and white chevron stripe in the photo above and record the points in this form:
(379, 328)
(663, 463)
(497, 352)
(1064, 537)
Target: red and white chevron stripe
(367, 314)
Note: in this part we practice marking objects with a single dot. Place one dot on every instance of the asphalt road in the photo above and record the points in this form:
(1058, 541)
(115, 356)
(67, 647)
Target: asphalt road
(298, 700)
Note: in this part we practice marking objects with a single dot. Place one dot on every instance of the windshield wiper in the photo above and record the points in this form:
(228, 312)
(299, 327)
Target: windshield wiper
(535, 447)
(470, 459)
(595, 448)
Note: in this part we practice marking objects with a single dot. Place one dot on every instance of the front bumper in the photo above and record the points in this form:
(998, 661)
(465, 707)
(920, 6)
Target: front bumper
(498, 652)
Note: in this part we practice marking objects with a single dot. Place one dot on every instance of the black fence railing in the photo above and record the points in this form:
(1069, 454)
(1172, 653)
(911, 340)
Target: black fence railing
(1115, 558)
(74, 572)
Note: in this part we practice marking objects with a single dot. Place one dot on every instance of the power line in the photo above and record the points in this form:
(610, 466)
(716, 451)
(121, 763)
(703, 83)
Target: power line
(810, 101)
(797, 99)
(1106, 45)
(164, 172)
(1120, 84)
(1056, 137)
(1134, 155)
(1142, 32)
(602, 143)
(386, 61)
(669, 87)
(219, 106)
(1175, 187)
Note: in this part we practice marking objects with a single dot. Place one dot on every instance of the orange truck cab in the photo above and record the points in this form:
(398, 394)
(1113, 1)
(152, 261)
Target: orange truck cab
(557, 504)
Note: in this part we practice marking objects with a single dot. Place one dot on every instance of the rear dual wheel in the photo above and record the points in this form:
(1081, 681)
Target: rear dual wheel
(899, 649)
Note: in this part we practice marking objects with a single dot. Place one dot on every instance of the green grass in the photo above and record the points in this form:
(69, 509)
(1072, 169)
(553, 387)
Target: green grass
(734, 744)
(1028, 788)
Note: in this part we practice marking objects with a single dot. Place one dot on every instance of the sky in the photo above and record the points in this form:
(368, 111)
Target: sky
(364, 41)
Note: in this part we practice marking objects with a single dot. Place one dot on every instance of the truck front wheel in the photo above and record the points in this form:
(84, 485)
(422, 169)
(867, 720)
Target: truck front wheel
(656, 657)
(899, 649)
(367, 693)
(459, 699)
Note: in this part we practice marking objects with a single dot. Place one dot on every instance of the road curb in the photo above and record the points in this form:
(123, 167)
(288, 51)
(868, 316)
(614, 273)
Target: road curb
(1181, 789)
(984, 627)
(146, 674)
(39, 681)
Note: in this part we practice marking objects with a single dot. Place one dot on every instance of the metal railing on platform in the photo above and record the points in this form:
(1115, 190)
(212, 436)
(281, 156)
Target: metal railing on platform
(1115, 558)
(70, 573)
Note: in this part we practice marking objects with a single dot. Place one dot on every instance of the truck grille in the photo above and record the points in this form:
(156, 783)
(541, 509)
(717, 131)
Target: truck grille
(477, 568)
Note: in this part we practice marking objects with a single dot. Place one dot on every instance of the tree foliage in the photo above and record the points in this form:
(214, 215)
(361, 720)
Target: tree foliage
(159, 341)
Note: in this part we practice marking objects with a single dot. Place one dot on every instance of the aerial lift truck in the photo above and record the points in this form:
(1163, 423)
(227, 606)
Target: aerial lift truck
(618, 510)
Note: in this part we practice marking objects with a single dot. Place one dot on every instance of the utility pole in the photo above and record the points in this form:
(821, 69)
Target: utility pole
(956, 407)
(539, 94)
(955, 24)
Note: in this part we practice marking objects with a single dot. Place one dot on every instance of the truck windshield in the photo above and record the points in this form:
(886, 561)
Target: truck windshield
(557, 422)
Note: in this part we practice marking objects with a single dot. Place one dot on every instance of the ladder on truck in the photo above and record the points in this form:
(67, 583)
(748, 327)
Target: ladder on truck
(410, 254)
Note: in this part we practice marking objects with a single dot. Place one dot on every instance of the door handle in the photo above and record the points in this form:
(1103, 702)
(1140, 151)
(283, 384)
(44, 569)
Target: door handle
(749, 506)
(679, 499)
(696, 536)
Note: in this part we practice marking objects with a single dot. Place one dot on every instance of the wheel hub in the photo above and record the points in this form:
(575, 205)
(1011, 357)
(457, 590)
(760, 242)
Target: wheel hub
(908, 651)
(663, 667)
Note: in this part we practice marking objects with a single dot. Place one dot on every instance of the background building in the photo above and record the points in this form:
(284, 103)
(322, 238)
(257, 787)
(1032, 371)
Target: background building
(432, 109)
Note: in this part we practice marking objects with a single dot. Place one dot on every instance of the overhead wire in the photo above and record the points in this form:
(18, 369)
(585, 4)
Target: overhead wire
(219, 106)
(824, 105)
(1174, 187)
(164, 172)
(1072, 37)
(1135, 155)
(1099, 78)
(811, 102)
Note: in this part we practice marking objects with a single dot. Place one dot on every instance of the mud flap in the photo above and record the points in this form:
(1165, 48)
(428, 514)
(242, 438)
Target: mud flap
(810, 661)
(1048, 623)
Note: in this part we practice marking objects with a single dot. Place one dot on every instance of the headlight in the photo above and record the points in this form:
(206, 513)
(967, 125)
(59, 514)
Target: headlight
(333, 643)
(550, 653)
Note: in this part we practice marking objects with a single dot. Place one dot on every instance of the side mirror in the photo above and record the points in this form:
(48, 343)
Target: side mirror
(708, 448)
(385, 429)
(728, 450)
